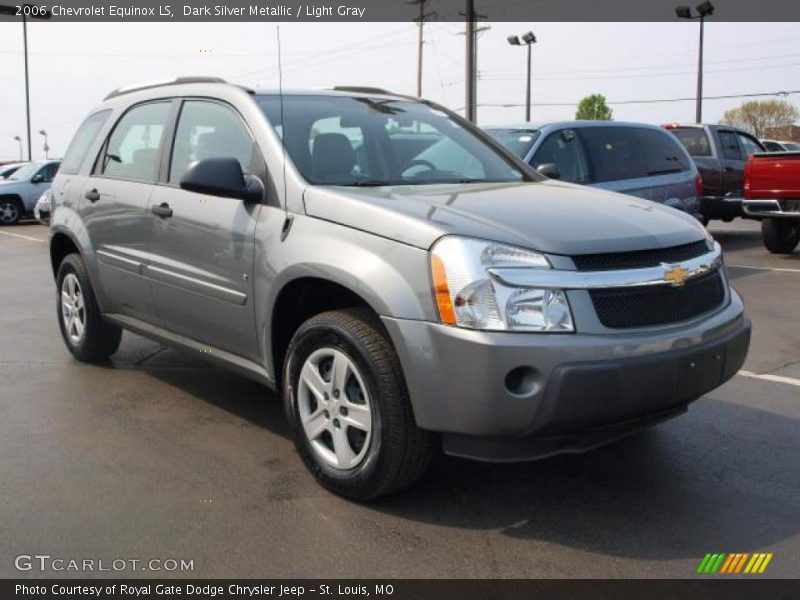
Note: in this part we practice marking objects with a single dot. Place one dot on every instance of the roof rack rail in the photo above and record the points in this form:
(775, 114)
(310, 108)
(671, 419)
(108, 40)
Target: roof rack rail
(362, 90)
(154, 84)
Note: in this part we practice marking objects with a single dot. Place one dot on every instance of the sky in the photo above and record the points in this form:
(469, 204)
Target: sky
(74, 65)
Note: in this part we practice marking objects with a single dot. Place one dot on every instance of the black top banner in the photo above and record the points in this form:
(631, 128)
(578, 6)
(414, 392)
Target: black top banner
(397, 10)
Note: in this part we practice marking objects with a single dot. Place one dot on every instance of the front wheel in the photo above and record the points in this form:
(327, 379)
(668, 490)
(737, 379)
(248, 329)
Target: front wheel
(780, 236)
(347, 404)
(88, 337)
(10, 211)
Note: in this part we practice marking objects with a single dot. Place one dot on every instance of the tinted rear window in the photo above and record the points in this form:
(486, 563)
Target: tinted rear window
(694, 139)
(82, 141)
(614, 153)
(662, 153)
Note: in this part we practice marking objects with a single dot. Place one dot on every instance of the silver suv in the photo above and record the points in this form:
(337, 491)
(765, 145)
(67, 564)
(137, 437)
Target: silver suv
(400, 278)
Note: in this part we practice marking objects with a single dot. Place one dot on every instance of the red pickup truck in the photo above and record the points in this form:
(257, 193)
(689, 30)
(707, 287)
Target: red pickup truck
(772, 194)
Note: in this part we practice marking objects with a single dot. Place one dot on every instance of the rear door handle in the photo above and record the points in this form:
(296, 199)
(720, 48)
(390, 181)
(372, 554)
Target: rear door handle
(92, 195)
(162, 210)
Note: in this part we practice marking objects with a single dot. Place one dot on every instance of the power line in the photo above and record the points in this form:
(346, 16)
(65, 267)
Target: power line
(781, 93)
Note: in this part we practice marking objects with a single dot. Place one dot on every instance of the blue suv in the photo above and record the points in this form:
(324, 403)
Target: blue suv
(631, 158)
(19, 193)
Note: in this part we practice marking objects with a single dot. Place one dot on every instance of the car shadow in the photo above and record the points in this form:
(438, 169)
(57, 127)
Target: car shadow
(732, 240)
(720, 478)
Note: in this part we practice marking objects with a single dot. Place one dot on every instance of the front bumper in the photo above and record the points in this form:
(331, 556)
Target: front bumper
(577, 390)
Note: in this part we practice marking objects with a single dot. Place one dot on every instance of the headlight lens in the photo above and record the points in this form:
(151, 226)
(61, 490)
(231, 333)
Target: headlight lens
(468, 296)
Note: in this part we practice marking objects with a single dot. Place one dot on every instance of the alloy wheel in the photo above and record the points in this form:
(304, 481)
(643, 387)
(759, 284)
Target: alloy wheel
(334, 408)
(73, 309)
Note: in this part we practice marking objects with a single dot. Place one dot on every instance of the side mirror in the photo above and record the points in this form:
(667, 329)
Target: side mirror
(549, 170)
(222, 177)
(38, 178)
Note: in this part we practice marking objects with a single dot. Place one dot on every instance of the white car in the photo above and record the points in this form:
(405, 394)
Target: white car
(42, 209)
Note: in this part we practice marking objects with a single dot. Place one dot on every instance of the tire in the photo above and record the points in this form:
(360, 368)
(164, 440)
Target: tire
(395, 452)
(11, 211)
(780, 236)
(95, 340)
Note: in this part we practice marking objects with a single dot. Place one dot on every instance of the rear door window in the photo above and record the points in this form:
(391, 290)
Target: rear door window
(694, 139)
(662, 154)
(614, 153)
(730, 145)
(83, 139)
(563, 148)
(134, 148)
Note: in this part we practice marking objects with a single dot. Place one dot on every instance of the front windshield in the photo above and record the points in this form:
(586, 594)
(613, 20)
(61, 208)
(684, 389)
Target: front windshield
(359, 141)
(24, 173)
(519, 141)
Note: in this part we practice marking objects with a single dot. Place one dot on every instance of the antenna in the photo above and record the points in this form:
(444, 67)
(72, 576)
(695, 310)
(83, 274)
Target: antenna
(288, 222)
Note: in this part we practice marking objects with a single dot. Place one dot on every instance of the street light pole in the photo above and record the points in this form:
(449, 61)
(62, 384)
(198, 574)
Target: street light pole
(528, 90)
(27, 84)
(46, 145)
(42, 14)
(529, 40)
(19, 141)
(698, 111)
(706, 9)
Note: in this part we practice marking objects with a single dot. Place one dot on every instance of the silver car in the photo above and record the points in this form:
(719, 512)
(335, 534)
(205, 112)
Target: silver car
(403, 281)
(19, 193)
(631, 158)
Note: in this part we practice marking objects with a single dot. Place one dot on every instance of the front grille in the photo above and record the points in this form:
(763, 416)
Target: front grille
(639, 259)
(643, 306)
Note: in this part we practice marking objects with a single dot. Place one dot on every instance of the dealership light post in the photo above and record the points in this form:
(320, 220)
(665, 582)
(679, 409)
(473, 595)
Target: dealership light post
(46, 145)
(706, 9)
(19, 141)
(12, 11)
(529, 40)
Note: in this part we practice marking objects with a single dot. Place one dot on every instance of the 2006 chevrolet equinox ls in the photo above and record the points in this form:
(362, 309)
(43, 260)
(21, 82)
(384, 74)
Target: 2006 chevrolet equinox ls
(399, 277)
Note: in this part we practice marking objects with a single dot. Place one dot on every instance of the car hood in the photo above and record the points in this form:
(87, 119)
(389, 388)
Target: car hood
(549, 216)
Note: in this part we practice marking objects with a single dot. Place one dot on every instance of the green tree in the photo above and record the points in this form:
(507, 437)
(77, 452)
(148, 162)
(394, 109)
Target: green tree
(756, 116)
(593, 108)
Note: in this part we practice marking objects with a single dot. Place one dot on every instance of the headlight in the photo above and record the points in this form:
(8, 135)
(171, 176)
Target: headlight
(468, 296)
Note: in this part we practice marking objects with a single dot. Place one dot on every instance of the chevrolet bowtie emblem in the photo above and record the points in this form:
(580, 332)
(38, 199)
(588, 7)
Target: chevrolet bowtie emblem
(676, 276)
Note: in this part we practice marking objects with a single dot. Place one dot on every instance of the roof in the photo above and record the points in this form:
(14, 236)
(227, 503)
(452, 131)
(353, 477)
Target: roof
(575, 124)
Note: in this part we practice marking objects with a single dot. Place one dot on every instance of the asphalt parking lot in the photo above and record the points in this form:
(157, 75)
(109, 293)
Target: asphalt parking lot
(159, 455)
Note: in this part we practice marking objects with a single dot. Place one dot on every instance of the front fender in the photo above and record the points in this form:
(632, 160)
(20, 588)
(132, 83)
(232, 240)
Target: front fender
(392, 278)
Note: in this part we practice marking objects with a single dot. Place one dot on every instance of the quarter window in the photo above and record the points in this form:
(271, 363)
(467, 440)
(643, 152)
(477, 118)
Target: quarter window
(210, 130)
(79, 146)
(133, 150)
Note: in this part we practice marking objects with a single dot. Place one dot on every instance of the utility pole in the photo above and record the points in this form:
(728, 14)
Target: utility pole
(698, 111)
(420, 25)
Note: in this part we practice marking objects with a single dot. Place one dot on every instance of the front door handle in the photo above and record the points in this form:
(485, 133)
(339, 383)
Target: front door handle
(162, 210)
(92, 195)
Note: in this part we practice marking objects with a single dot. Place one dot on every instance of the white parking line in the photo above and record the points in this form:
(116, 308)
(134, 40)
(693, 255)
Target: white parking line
(23, 237)
(768, 377)
(781, 269)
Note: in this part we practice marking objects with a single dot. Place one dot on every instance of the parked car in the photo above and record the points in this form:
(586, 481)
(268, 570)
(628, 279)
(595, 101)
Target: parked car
(8, 169)
(631, 158)
(720, 152)
(450, 296)
(780, 146)
(772, 194)
(42, 208)
(19, 193)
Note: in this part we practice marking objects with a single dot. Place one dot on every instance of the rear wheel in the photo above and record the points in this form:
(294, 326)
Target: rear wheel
(780, 236)
(346, 400)
(88, 337)
(10, 211)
